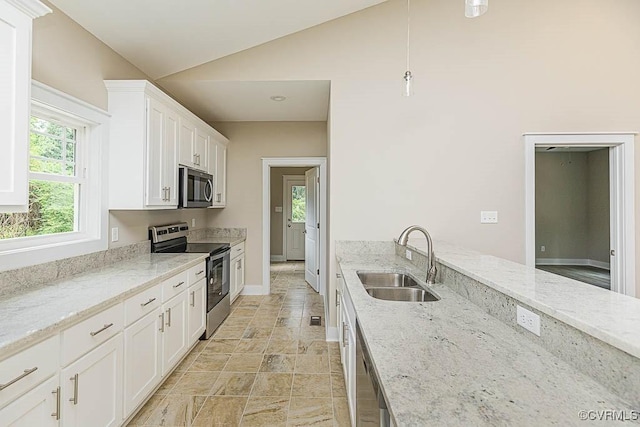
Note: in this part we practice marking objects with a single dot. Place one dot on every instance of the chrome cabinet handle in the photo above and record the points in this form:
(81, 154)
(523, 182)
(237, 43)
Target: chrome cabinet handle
(168, 193)
(74, 399)
(161, 316)
(178, 285)
(345, 331)
(57, 393)
(18, 378)
(337, 297)
(169, 317)
(104, 328)
(193, 298)
(199, 272)
(144, 304)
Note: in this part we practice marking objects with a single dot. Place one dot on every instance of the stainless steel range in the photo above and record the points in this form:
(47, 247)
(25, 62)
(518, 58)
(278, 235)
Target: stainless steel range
(173, 239)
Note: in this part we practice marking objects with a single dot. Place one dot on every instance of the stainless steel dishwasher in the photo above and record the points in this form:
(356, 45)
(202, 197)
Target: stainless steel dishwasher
(371, 408)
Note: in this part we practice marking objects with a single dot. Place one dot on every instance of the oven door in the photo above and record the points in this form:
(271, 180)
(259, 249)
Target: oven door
(217, 278)
(196, 188)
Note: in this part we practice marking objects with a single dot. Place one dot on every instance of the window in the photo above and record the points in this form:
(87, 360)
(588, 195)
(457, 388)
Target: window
(55, 182)
(68, 153)
(298, 203)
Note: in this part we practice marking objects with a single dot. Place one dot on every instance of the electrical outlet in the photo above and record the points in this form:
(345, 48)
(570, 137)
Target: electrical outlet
(543, 248)
(193, 222)
(408, 254)
(114, 234)
(488, 217)
(528, 320)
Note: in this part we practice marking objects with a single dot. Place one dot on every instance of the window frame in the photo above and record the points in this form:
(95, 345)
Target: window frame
(91, 162)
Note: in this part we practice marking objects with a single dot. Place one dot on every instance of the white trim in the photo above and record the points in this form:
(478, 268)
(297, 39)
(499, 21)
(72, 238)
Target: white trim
(570, 261)
(332, 333)
(285, 206)
(16, 253)
(253, 290)
(32, 8)
(622, 197)
(267, 164)
(278, 258)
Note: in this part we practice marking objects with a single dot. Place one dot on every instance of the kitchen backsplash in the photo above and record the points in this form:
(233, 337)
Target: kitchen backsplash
(204, 233)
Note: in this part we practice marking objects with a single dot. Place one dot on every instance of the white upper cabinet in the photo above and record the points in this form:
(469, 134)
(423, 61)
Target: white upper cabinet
(15, 100)
(218, 168)
(150, 135)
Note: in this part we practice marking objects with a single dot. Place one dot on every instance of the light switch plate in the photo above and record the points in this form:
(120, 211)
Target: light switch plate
(193, 222)
(489, 217)
(114, 234)
(408, 254)
(278, 209)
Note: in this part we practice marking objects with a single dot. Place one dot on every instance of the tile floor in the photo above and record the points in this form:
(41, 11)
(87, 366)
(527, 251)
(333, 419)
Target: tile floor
(265, 366)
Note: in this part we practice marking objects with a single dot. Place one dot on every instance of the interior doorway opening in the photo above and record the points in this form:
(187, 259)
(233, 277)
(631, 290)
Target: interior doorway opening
(563, 209)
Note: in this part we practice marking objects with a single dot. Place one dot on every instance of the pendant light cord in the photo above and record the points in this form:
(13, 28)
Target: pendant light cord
(408, 30)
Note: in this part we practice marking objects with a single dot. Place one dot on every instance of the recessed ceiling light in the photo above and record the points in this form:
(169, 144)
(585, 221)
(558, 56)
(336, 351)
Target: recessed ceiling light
(278, 98)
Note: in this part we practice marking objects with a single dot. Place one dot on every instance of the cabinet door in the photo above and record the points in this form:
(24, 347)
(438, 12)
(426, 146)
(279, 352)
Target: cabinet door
(170, 163)
(220, 196)
(174, 340)
(15, 87)
(92, 387)
(197, 311)
(233, 279)
(39, 407)
(240, 275)
(187, 139)
(350, 376)
(142, 365)
(201, 150)
(156, 189)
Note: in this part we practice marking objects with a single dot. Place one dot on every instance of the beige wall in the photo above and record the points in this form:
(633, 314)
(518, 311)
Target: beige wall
(439, 158)
(598, 205)
(250, 142)
(277, 200)
(572, 205)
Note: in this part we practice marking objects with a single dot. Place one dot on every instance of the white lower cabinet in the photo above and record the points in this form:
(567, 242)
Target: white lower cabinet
(92, 387)
(197, 310)
(174, 330)
(347, 335)
(39, 407)
(236, 275)
(142, 362)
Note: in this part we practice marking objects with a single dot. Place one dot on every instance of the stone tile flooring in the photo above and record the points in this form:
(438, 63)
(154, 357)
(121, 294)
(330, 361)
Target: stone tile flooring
(265, 366)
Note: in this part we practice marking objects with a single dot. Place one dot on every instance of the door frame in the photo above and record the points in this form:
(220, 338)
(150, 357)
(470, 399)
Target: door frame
(267, 164)
(285, 179)
(621, 190)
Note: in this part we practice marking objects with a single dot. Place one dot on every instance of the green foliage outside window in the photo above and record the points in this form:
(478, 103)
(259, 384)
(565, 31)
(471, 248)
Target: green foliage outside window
(298, 203)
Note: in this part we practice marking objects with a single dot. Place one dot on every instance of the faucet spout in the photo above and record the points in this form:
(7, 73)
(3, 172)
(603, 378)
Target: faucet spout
(431, 267)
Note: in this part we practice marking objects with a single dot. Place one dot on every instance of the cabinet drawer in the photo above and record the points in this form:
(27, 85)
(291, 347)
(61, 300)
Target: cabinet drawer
(79, 339)
(141, 304)
(237, 250)
(17, 373)
(197, 273)
(175, 285)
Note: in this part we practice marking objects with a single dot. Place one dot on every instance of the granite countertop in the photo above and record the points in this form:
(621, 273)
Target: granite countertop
(32, 316)
(450, 363)
(231, 240)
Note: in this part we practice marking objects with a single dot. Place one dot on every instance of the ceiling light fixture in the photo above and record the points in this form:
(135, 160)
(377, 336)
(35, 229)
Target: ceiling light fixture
(278, 98)
(475, 8)
(408, 77)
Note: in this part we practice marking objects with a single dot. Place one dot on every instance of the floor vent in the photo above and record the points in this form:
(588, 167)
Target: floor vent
(316, 321)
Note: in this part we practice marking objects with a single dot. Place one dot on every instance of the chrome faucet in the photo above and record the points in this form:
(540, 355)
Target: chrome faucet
(431, 266)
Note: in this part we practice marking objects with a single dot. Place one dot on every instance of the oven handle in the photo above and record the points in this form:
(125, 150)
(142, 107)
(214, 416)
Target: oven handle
(209, 185)
(220, 255)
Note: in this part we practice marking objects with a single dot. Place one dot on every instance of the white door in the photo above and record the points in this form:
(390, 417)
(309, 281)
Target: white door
(197, 311)
(141, 360)
(36, 408)
(92, 387)
(312, 220)
(186, 142)
(156, 187)
(174, 340)
(295, 202)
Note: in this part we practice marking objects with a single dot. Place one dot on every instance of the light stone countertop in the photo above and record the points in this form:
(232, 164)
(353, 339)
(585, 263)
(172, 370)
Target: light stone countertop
(230, 240)
(28, 318)
(611, 317)
(450, 363)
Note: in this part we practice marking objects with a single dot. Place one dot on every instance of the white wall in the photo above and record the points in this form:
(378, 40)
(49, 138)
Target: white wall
(454, 149)
(250, 142)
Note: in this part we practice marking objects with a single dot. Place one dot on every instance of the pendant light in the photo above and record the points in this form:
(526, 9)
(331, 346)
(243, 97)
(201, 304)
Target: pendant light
(408, 77)
(475, 8)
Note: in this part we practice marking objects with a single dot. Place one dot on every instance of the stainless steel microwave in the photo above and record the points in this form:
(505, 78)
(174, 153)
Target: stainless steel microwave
(196, 188)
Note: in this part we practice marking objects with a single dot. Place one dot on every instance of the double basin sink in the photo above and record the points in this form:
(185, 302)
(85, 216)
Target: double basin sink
(395, 287)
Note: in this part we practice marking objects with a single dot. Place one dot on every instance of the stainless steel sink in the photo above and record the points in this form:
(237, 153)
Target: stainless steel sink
(383, 280)
(402, 294)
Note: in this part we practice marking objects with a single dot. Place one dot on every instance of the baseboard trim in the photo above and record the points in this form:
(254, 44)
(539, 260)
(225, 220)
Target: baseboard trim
(252, 290)
(278, 258)
(332, 333)
(573, 261)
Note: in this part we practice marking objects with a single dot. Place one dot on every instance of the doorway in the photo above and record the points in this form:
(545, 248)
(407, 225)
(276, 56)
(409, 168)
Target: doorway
(580, 207)
(300, 214)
